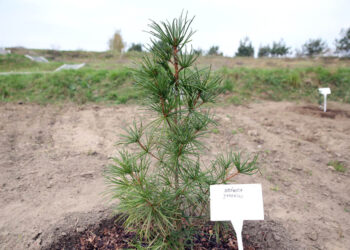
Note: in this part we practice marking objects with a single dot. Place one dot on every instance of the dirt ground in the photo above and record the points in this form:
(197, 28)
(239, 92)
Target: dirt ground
(52, 158)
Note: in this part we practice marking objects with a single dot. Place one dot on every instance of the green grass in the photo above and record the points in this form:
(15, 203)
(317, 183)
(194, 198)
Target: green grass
(284, 84)
(19, 63)
(239, 85)
(337, 165)
(79, 86)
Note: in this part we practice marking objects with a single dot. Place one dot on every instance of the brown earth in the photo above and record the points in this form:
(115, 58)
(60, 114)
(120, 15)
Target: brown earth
(52, 158)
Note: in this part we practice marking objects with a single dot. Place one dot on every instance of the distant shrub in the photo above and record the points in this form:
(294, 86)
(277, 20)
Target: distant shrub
(198, 51)
(214, 51)
(279, 49)
(264, 51)
(343, 44)
(245, 48)
(314, 47)
(135, 47)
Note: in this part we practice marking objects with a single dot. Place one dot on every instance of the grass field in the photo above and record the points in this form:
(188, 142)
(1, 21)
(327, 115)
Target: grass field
(107, 78)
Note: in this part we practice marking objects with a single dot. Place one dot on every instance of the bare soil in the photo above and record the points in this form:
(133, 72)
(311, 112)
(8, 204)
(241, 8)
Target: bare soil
(52, 159)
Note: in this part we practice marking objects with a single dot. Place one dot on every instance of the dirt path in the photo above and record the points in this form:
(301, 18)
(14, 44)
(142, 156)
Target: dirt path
(51, 162)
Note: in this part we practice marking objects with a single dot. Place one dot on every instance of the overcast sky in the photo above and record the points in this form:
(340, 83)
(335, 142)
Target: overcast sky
(88, 24)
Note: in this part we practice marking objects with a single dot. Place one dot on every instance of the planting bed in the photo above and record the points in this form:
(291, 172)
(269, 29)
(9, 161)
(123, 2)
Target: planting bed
(52, 158)
(107, 234)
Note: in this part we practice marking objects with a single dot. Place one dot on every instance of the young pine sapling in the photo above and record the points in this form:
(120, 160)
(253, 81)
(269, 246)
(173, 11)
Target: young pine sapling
(163, 191)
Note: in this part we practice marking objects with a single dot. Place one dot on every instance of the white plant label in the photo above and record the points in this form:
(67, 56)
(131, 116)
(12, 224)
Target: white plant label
(236, 203)
(324, 92)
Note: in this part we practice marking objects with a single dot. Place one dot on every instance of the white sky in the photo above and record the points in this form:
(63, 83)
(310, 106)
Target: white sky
(88, 24)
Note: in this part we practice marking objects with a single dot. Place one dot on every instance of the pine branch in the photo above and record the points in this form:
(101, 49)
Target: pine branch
(147, 151)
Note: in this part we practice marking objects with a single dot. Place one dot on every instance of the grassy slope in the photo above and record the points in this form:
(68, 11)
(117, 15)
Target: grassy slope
(78, 86)
(106, 79)
(19, 63)
(286, 84)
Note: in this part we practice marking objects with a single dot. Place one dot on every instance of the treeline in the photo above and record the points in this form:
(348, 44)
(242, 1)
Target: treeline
(311, 48)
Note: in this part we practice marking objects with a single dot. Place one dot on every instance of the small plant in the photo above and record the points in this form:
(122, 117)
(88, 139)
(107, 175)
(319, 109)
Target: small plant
(337, 165)
(228, 86)
(236, 100)
(241, 130)
(163, 190)
(215, 131)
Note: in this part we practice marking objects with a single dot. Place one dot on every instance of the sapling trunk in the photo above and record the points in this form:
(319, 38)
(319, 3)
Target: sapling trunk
(167, 205)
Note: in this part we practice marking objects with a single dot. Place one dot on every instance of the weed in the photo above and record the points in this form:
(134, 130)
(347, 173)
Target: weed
(240, 130)
(215, 131)
(228, 85)
(236, 100)
(337, 165)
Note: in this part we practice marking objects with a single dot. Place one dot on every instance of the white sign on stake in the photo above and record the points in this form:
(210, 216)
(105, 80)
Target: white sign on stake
(324, 92)
(236, 203)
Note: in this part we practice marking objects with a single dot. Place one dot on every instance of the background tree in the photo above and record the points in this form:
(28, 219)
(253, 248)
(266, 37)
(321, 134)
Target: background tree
(245, 48)
(264, 51)
(343, 44)
(214, 51)
(279, 49)
(314, 47)
(198, 51)
(135, 47)
(116, 42)
(163, 190)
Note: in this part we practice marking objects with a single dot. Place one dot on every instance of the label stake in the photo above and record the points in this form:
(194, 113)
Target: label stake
(236, 203)
(324, 92)
(238, 225)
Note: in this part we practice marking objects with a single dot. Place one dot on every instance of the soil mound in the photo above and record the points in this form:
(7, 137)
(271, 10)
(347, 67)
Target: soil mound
(318, 112)
(110, 235)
